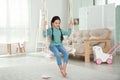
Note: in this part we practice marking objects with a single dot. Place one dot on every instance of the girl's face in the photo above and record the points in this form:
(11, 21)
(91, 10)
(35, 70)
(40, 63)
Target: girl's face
(56, 24)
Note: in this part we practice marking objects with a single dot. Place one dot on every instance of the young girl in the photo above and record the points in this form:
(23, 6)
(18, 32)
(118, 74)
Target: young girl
(56, 37)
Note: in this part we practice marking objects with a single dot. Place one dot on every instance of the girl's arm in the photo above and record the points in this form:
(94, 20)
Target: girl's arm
(46, 31)
(70, 24)
(44, 26)
(68, 32)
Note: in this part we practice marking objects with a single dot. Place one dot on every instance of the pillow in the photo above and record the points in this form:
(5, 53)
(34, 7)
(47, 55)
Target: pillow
(99, 33)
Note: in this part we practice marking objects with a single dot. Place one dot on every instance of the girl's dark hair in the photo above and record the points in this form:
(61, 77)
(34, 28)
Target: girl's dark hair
(52, 21)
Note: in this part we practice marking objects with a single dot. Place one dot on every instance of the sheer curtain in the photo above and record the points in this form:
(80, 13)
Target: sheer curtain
(14, 21)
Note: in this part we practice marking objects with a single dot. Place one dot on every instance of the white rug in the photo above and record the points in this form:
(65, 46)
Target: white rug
(34, 68)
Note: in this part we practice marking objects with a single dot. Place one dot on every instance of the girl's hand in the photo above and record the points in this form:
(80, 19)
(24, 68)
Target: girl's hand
(44, 25)
(70, 23)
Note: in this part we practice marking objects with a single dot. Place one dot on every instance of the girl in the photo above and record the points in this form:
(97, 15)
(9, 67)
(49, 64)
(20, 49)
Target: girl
(56, 37)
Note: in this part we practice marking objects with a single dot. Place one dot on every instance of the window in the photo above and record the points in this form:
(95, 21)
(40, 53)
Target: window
(3, 13)
(14, 20)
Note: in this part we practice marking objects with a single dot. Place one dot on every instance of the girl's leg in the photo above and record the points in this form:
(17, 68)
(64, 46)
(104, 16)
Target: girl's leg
(56, 53)
(54, 49)
(65, 53)
(62, 70)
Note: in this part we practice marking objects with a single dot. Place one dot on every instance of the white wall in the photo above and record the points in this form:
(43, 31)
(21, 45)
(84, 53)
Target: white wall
(58, 8)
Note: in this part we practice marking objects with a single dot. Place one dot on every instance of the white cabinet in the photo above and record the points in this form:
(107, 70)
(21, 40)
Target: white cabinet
(102, 16)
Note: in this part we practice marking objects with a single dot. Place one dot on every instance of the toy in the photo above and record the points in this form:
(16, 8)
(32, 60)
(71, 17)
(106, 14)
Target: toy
(100, 56)
(114, 49)
(20, 47)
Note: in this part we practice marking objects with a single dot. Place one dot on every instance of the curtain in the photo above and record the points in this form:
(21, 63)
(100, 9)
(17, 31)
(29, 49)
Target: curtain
(14, 21)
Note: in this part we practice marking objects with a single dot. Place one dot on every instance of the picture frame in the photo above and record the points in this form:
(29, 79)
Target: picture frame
(76, 21)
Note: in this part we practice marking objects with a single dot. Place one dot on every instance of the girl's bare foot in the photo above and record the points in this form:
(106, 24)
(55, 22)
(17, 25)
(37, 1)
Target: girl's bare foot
(63, 73)
(66, 73)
